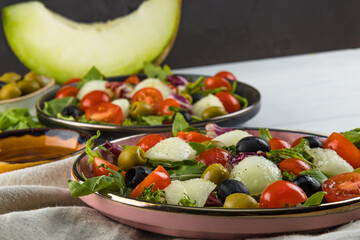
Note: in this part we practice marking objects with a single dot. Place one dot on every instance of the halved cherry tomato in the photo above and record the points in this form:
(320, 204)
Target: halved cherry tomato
(103, 171)
(105, 112)
(278, 143)
(226, 74)
(344, 148)
(72, 80)
(216, 82)
(159, 177)
(149, 141)
(231, 104)
(341, 187)
(281, 194)
(94, 98)
(67, 91)
(193, 137)
(164, 106)
(149, 95)
(214, 155)
(294, 166)
(132, 79)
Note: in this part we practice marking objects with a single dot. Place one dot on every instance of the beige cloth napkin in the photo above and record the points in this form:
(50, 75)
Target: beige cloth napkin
(36, 204)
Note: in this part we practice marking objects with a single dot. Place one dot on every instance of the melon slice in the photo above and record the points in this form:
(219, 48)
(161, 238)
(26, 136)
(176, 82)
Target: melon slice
(52, 45)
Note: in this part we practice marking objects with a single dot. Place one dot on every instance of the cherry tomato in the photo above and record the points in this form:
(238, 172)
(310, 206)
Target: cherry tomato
(344, 148)
(281, 194)
(132, 79)
(103, 171)
(163, 108)
(67, 91)
(105, 112)
(72, 80)
(277, 143)
(216, 82)
(231, 104)
(341, 187)
(149, 141)
(159, 177)
(149, 95)
(226, 74)
(294, 166)
(193, 137)
(94, 98)
(214, 155)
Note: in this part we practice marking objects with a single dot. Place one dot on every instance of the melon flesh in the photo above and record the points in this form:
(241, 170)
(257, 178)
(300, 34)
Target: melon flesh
(52, 45)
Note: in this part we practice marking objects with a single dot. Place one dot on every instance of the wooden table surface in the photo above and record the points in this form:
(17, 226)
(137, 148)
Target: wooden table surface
(318, 93)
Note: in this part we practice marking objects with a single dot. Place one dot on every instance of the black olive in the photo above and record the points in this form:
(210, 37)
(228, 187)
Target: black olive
(185, 114)
(196, 97)
(136, 175)
(231, 186)
(314, 142)
(73, 111)
(307, 183)
(2, 84)
(252, 144)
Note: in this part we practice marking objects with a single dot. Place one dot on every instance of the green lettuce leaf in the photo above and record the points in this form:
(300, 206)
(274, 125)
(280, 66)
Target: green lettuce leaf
(56, 105)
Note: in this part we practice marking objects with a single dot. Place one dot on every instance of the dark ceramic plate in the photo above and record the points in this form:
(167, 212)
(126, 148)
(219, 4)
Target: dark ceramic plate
(217, 223)
(114, 131)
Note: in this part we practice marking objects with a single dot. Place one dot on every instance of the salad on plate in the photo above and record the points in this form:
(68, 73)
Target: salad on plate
(150, 101)
(226, 168)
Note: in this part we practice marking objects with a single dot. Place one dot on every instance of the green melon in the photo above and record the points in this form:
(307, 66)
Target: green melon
(52, 45)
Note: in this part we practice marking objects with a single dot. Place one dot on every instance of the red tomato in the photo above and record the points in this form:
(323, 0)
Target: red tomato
(103, 171)
(149, 95)
(294, 166)
(216, 82)
(67, 91)
(163, 108)
(105, 112)
(159, 177)
(231, 104)
(226, 74)
(344, 148)
(149, 141)
(193, 137)
(341, 187)
(214, 155)
(281, 194)
(277, 143)
(72, 80)
(132, 79)
(94, 98)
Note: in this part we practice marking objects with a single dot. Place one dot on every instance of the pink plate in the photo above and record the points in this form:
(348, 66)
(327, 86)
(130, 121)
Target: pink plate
(217, 222)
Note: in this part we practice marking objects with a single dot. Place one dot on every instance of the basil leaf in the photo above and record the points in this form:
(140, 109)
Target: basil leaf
(92, 74)
(317, 174)
(264, 134)
(315, 199)
(55, 106)
(179, 124)
(198, 147)
(353, 136)
(152, 71)
(153, 120)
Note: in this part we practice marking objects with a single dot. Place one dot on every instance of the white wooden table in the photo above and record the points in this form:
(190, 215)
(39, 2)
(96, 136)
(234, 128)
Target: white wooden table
(318, 92)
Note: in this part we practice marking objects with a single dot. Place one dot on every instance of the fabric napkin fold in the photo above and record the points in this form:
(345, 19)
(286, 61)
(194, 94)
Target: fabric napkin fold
(35, 203)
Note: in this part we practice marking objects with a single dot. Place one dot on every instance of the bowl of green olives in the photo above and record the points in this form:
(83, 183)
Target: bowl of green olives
(18, 91)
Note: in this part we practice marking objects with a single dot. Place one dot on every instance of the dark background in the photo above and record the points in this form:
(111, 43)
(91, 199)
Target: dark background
(219, 31)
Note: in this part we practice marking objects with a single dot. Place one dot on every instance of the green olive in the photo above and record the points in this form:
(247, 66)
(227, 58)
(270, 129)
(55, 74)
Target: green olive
(140, 109)
(240, 200)
(131, 156)
(10, 90)
(188, 97)
(10, 77)
(216, 173)
(28, 86)
(32, 76)
(212, 112)
(357, 170)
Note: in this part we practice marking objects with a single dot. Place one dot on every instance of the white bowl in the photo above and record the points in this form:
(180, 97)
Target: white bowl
(29, 100)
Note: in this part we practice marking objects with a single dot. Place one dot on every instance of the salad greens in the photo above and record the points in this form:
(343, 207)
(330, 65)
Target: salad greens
(353, 136)
(17, 118)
